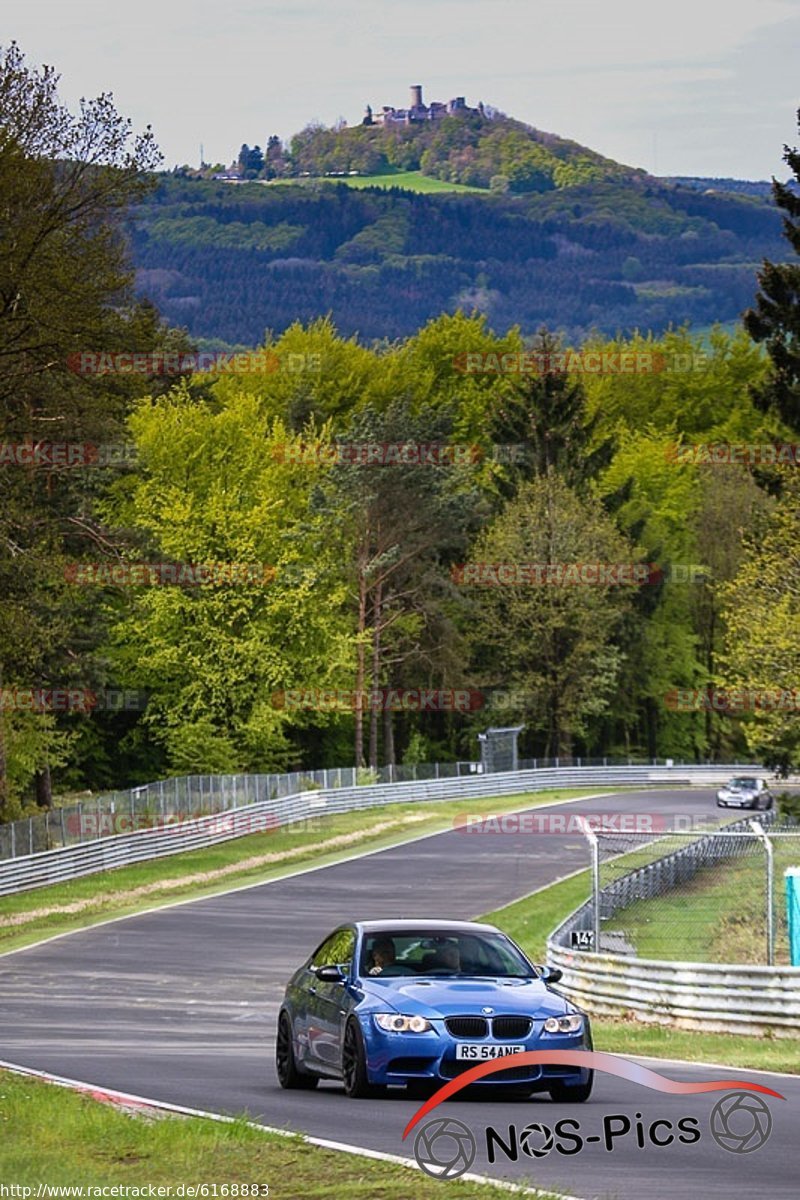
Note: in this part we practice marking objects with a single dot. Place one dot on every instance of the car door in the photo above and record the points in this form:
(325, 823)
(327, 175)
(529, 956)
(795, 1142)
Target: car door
(329, 1001)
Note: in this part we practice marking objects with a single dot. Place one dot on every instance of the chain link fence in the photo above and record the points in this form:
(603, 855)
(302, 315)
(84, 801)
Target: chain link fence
(700, 895)
(181, 798)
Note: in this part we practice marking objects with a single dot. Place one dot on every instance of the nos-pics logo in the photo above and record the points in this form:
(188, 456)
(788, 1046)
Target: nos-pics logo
(740, 1122)
(445, 1148)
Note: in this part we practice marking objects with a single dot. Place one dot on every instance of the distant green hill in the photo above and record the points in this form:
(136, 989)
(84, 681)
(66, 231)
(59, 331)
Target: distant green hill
(469, 213)
(492, 151)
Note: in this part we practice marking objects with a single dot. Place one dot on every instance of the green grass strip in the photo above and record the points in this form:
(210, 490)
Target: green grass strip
(61, 1138)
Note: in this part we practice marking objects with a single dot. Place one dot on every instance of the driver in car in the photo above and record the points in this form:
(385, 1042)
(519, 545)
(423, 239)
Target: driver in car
(383, 955)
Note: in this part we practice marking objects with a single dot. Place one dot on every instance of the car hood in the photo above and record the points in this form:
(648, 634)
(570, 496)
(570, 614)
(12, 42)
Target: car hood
(452, 997)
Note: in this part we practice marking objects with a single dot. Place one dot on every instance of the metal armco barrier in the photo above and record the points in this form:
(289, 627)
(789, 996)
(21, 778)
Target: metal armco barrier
(701, 996)
(102, 854)
(715, 997)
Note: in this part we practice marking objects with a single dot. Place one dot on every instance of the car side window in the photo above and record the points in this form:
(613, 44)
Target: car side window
(337, 950)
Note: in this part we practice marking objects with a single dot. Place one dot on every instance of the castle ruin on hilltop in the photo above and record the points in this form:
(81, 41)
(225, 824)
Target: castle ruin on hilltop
(418, 111)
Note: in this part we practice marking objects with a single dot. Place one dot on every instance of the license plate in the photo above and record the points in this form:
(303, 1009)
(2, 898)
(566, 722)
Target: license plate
(469, 1050)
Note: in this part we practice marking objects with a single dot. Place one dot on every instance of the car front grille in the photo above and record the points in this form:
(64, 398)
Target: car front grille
(479, 1027)
(511, 1027)
(467, 1027)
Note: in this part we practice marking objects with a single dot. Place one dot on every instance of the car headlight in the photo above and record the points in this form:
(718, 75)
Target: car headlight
(569, 1024)
(398, 1023)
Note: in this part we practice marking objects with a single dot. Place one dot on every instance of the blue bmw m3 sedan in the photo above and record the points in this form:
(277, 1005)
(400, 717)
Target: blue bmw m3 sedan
(417, 1003)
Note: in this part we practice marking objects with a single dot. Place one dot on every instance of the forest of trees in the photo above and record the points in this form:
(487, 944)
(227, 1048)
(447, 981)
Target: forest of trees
(227, 263)
(267, 546)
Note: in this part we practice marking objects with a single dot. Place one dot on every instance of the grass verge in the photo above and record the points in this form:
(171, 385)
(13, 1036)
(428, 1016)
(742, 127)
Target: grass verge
(726, 921)
(529, 922)
(28, 917)
(412, 181)
(79, 1141)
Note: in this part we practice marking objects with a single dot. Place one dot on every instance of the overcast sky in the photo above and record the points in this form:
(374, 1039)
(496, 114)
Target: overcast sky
(688, 87)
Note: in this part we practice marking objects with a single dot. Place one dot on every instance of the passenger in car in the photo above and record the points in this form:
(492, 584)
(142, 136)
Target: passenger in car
(448, 958)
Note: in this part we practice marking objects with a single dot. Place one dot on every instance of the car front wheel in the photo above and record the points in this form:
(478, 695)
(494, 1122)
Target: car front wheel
(354, 1064)
(562, 1093)
(288, 1074)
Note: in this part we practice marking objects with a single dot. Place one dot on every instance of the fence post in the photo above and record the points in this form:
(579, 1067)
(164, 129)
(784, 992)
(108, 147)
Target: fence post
(594, 846)
(63, 829)
(758, 829)
(30, 835)
(13, 839)
(792, 877)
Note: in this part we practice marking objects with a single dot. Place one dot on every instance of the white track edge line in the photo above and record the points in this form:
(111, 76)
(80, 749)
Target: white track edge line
(309, 1139)
(685, 1062)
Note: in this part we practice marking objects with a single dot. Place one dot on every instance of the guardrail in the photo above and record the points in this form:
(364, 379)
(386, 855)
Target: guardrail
(122, 849)
(715, 997)
(711, 997)
(186, 796)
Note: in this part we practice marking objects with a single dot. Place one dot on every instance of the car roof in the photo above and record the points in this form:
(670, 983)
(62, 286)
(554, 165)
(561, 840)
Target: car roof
(422, 925)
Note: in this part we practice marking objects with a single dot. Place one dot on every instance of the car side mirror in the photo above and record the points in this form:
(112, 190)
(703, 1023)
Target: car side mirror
(329, 974)
(550, 974)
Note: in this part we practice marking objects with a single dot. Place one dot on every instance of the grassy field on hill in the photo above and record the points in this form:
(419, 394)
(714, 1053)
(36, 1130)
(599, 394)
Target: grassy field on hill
(412, 181)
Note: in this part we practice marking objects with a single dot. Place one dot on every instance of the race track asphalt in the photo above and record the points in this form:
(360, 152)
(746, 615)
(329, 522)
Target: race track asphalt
(179, 1005)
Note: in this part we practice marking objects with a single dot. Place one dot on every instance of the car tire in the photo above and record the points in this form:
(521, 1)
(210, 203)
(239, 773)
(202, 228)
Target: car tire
(289, 1076)
(354, 1064)
(563, 1094)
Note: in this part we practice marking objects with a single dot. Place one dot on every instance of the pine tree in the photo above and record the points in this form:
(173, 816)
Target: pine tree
(775, 320)
(547, 413)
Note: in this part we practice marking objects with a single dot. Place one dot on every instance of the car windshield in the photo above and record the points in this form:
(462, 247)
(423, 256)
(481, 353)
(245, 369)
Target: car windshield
(742, 781)
(433, 952)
